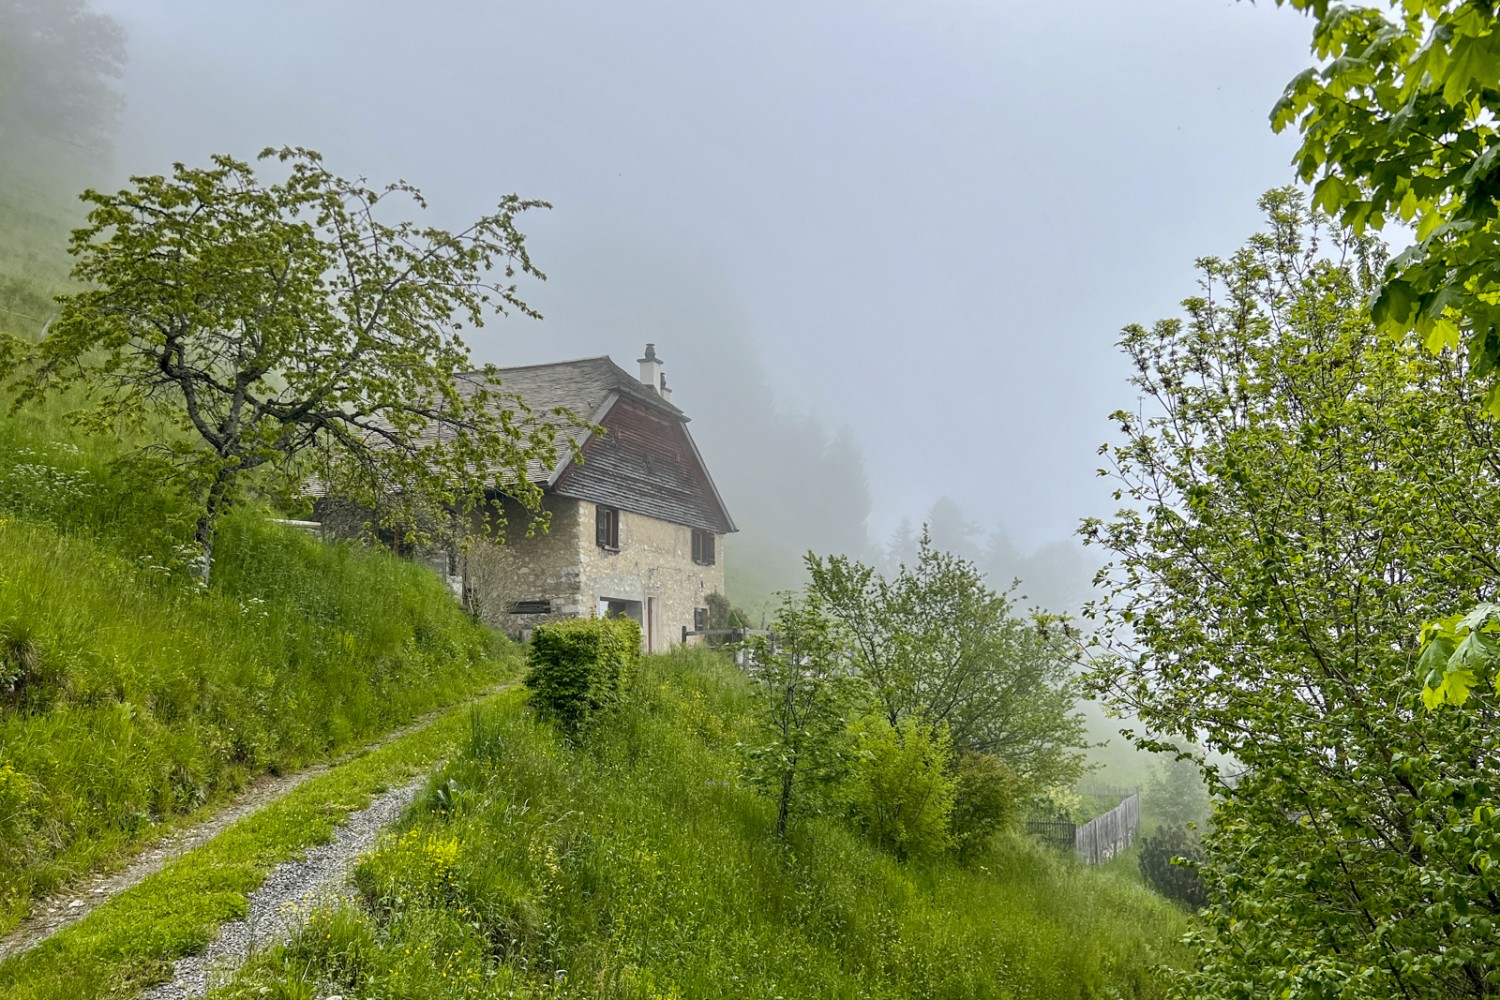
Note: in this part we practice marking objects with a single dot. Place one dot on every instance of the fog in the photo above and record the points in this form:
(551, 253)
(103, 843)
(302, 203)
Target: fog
(884, 248)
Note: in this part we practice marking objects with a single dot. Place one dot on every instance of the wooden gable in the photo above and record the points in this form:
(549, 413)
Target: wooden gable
(646, 463)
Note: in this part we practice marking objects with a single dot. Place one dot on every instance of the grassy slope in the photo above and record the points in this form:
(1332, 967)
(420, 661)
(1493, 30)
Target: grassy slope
(144, 699)
(130, 942)
(643, 868)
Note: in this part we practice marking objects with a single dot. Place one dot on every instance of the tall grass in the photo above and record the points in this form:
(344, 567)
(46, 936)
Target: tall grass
(127, 697)
(641, 867)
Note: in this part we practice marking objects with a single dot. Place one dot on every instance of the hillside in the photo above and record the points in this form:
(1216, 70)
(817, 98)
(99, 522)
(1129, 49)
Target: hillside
(642, 866)
(128, 699)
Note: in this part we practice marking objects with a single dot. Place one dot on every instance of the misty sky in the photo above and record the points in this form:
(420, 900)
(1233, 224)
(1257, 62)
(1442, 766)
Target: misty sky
(925, 219)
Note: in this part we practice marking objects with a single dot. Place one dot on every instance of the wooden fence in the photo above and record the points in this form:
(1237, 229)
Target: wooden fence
(1101, 838)
(1060, 833)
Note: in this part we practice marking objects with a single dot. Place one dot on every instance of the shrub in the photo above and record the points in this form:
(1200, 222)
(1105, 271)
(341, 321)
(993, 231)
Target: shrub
(900, 786)
(20, 665)
(1179, 882)
(579, 666)
(987, 799)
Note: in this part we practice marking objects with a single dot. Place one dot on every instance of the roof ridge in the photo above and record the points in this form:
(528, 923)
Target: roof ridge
(544, 364)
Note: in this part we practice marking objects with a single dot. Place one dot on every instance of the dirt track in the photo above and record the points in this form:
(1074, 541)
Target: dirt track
(79, 899)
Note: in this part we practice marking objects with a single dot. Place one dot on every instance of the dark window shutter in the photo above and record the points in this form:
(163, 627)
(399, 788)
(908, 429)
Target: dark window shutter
(708, 549)
(601, 526)
(697, 546)
(700, 619)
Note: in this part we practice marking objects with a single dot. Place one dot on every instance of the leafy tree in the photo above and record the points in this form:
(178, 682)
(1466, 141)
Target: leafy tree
(901, 786)
(1177, 793)
(724, 615)
(936, 644)
(269, 323)
(1298, 489)
(1399, 123)
(805, 684)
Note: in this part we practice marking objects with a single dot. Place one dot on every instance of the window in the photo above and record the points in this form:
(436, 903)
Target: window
(703, 547)
(607, 527)
(531, 608)
(700, 619)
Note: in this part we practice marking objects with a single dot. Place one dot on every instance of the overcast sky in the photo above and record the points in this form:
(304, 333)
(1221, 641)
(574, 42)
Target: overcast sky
(925, 218)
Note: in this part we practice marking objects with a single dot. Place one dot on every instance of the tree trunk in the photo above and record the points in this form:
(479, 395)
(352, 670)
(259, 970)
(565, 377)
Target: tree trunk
(784, 807)
(208, 523)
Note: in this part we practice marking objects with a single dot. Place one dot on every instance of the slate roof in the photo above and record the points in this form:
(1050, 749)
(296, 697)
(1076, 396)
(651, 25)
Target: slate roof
(668, 480)
(583, 386)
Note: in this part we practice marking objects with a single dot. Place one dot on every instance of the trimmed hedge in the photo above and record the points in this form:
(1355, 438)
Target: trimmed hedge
(579, 666)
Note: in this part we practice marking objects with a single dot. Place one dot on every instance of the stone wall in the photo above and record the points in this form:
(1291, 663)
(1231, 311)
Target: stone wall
(542, 567)
(654, 562)
(653, 568)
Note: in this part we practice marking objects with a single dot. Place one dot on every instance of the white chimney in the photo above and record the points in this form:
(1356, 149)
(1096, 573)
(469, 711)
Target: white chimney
(651, 369)
(666, 393)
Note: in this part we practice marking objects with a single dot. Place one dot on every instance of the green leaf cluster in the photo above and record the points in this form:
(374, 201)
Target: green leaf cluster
(901, 785)
(1295, 489)
(1456, 652)
(1398, 124)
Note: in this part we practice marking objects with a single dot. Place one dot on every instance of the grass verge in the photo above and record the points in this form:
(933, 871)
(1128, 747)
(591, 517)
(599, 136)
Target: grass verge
(640, 866)
(130, 942)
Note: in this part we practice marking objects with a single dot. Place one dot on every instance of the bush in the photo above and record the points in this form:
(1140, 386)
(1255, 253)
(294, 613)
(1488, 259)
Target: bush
(987, 799)
(900, 786)
(579, 666)
(1181, 883)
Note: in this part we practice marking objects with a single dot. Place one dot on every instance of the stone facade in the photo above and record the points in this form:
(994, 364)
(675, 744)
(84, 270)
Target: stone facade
(651, 577)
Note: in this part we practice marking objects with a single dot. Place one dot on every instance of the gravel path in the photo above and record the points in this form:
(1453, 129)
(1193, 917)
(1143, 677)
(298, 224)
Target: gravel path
(271, 917)
(77, 901)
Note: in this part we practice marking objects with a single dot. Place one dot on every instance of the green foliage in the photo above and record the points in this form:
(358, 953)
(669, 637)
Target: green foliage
(1169, 859)
(1297, 490)
(805, 686)
(722, 614)
(900, 786)
(937, 644)
(1059, 802)
(579, 666)
(1398, 123)
(639, 867)
(987, 800)
(1456, 652)
(268, 323)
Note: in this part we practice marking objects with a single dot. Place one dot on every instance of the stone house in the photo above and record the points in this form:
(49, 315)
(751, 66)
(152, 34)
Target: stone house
(636, 523)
